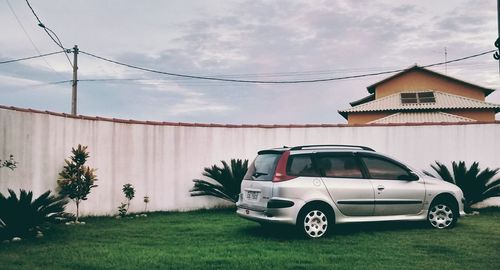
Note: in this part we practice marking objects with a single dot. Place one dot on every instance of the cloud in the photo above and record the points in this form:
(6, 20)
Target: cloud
(267, 40)
(20, 82)
(167, 87)
(197, 105)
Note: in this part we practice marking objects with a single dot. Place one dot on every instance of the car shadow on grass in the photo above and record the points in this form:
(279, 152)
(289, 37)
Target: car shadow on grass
(284, 232)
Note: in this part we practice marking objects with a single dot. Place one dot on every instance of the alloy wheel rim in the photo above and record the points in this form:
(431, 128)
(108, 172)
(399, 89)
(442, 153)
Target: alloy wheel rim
(441, 216)
(315, 223)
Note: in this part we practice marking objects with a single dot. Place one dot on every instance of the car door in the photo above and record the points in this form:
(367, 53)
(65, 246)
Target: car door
(341, 173)
(397, 190)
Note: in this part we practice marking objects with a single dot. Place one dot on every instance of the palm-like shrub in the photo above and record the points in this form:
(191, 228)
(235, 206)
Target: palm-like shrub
(22, 216)
(476, 184)
(228, 180)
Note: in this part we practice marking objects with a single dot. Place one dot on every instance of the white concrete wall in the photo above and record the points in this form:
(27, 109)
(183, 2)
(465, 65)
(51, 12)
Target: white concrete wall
(161, 160)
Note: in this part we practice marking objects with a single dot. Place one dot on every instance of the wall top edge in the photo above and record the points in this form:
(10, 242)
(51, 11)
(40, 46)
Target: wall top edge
(162, 123)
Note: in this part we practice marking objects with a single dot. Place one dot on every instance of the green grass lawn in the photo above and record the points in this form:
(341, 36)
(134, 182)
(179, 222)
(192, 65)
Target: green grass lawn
(219, 239)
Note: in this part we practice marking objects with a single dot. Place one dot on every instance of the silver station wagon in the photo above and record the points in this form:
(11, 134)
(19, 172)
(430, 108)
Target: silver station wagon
(316, 186)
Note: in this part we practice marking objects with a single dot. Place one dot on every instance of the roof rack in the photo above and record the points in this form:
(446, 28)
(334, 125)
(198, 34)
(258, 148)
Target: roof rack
(332, 145)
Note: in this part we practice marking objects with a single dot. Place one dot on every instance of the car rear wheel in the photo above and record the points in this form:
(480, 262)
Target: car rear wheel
(314, 222)
(442, 215)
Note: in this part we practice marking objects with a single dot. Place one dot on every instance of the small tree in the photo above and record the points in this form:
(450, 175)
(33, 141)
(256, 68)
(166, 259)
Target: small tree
(129, 192)
(76, 180)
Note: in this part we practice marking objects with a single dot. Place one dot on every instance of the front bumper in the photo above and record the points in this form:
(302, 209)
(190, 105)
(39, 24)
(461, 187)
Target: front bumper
(461, 207)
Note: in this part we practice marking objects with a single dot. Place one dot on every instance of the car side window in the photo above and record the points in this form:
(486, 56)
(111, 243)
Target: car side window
(339, 166)
(301, 165)
(385, 169)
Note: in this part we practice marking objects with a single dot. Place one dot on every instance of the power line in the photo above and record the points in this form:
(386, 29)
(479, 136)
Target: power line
(274, 74)
(181, 81)
(60, 82)
(459, 59)
(275, 82)
(43, 26)
(30, 57)
(46, 29)
(230, 80)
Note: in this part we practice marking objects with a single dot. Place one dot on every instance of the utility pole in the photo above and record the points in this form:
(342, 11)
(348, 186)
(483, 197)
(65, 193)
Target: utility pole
(75, 80)
(497, 43)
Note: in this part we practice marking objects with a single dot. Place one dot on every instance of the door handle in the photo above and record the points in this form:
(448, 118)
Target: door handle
(380, 187)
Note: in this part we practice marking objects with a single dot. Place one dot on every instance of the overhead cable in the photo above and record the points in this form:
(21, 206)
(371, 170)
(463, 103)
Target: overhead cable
(278, 81)
(49, 31)
(30, 57)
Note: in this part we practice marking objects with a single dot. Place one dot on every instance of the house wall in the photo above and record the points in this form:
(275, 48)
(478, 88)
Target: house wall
(421, 80)
(160, 160)
(359, 118)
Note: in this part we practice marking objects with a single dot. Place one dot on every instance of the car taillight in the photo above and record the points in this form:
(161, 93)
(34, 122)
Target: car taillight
(280, 172)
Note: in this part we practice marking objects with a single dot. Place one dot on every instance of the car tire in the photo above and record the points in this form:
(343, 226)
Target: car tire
(315, 221)
(442, 215)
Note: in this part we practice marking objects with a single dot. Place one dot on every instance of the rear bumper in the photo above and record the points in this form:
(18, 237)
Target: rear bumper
(262, 217)
(286, 215)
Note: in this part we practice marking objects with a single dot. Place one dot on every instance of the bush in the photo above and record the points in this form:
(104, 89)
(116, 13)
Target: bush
(228, 180)
(8, 163)
(476, 184)
(76, 180)
(146, 201)
(122, 209)
(21, 216)
(129, 192)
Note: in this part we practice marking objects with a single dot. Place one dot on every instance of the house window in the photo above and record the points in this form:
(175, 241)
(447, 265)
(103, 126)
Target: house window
(418, 98)
(409, 98)
(426, 97)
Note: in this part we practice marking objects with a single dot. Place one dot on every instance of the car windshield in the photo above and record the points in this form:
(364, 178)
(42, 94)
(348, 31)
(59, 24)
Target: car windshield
(263, 167)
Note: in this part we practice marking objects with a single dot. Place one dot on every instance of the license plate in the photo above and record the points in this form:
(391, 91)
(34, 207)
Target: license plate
(253, 195)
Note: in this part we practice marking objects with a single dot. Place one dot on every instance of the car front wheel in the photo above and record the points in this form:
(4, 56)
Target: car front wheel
(442, 215)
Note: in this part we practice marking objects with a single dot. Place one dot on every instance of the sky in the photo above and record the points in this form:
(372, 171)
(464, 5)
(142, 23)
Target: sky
(250, 40)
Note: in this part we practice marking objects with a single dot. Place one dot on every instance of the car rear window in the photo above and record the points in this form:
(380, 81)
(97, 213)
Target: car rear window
(263, 167)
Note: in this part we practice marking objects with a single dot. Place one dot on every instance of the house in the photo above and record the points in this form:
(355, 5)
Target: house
(419, 95)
